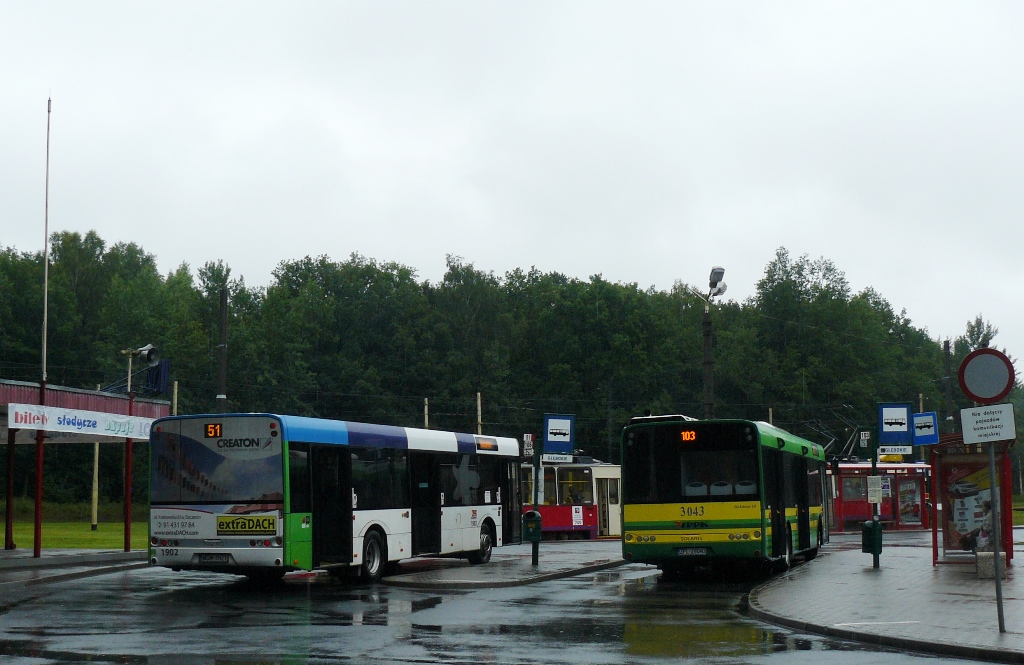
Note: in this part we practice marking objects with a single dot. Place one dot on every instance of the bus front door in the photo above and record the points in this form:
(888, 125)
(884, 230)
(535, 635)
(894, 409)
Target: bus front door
(331, 476)
(774, 497)
(426, 502)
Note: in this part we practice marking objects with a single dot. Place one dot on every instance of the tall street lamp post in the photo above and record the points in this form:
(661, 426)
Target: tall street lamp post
(150, 355)
(716, 287)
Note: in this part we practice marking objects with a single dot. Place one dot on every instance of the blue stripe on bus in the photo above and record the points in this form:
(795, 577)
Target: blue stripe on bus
(314, 430)
(377, 436)
(467, 444)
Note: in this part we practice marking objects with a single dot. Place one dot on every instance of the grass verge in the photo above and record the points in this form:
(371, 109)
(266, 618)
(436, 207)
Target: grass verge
(79, 535)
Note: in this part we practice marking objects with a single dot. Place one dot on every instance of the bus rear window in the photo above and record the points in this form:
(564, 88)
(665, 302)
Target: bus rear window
(671, 463)
(243, 466)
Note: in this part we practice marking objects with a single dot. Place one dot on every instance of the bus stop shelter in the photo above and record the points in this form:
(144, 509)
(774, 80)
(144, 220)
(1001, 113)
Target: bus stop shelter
(961, 484)
(31, 414)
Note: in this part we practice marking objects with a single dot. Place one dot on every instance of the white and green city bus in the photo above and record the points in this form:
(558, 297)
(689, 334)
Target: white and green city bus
(264, 494)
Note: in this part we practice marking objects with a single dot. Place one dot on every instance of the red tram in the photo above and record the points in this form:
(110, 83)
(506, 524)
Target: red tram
(578, 500)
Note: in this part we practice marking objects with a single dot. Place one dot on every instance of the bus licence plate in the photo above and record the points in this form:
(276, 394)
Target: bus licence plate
(692, 551)
(213, 558)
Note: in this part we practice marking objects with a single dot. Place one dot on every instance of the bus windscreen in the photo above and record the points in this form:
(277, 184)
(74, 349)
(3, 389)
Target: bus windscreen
(690, 463)
(217, 461)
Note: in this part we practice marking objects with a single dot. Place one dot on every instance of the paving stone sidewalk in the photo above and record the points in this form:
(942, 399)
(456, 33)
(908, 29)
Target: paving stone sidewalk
(906, 603)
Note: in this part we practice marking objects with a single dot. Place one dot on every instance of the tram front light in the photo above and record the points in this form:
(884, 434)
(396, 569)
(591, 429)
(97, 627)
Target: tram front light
(629, 537)
(757, 535)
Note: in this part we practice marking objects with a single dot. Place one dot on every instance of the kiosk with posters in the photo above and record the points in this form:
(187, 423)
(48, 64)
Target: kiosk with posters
(961, 484)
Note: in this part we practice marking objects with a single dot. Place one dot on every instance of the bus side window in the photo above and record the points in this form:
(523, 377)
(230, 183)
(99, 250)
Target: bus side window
(298, 477)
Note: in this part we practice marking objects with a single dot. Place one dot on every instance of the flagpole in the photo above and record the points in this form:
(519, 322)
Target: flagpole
(46, 238)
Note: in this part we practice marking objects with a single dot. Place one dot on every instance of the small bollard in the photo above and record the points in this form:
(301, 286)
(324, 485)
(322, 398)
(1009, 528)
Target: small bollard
(871, 539)
(532, 532)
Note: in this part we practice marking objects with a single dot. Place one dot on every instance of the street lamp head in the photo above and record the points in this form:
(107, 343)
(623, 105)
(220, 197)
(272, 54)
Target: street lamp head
(148, 354)
(718, 290)
(717, 275)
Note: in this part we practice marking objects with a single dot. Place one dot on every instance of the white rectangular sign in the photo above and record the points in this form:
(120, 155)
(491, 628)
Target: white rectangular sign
(895, 450)
(874, 489)
(988, 423)
(552, 457)
(87, 424)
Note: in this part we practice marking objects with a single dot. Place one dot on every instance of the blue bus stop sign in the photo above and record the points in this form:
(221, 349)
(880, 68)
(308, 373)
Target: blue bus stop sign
(894, 424)
(926, 428)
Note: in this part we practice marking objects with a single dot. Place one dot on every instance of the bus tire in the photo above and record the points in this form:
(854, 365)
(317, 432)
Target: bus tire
(375, 556)
(483, 555)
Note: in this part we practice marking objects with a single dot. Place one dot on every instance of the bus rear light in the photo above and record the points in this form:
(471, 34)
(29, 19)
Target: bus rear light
(155, 540)
(266, 543)
(279, 540)
(252, 543)
(163, 543)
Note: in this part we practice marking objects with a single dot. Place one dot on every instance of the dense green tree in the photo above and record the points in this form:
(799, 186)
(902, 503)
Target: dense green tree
(364, 340)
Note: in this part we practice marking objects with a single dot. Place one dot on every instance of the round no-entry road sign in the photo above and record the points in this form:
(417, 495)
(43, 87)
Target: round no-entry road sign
(986, 376)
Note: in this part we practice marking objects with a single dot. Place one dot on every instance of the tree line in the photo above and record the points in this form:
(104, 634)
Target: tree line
(359, 339)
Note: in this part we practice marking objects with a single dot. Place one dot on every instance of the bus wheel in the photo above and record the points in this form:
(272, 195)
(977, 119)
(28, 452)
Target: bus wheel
(374, 558)
(483, 555)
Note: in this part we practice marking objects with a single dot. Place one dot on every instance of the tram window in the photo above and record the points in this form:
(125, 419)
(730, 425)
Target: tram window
(575, 486)
(550, 493)
(855, 489)
(613, 490)
(526, 482)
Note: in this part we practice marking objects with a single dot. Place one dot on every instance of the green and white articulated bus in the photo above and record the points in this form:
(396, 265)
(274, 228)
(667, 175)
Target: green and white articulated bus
(731, 492)
(264, 494)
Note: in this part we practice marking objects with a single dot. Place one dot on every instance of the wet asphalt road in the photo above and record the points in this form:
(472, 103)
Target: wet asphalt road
(619, 616)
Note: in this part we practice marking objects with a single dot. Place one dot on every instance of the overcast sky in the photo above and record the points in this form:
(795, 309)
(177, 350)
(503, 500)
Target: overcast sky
(645, 143)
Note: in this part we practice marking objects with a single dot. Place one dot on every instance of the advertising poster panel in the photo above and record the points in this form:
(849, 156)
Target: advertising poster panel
(965, 485)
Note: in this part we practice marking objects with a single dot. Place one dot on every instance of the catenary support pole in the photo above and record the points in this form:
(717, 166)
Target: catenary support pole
(37, 532)
(479, 416)
(426, 413)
